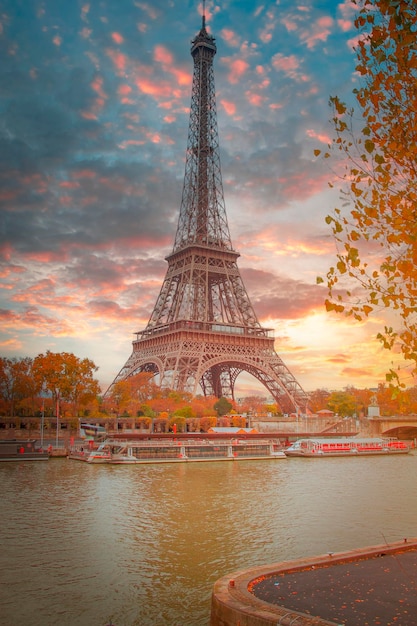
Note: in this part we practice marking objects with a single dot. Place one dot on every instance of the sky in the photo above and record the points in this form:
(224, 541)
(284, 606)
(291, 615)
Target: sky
(94, 111)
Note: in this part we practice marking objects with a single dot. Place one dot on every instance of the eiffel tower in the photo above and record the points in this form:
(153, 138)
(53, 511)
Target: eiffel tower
(203, 331)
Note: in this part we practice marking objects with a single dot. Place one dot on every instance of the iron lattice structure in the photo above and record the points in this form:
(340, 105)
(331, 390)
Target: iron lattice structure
(203, 331)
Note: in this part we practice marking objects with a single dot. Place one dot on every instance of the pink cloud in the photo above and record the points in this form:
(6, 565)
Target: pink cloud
(162, 55)
(289, 24)
(8, 195)
(237, 69)
(348, 11)
(133, 117)
(130, 142)
(319, 31)
(339, 358)
(85, 9)
(275, 106)
(230, 37)
(155, 88)
(285, 63)
(319, 136)
(165, 58)
(45, 256)
(183, 77)
(85, 32)
(345, 25)
(123, 90)
(266, 34)
(148, 9)
(57, 40)
(38, 323)
(11, 270)
(299, 187)
(290, 65)
(358, 372)
(117, 38)
(256, 99)
(119, 60)
(85, 173)
(229, 107)
(65, 200)
(97, 86)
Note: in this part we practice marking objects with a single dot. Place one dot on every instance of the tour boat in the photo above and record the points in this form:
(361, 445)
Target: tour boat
(349, 446)
(21, 450)
(132, 452)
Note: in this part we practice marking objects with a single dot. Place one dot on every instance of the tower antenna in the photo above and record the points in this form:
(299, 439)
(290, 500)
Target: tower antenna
(204, 13)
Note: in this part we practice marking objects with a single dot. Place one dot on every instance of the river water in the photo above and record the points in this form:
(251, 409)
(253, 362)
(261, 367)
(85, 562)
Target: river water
(142, 545)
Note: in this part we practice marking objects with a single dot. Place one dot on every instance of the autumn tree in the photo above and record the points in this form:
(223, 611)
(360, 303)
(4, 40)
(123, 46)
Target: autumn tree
(376, 228)
(362, 398)
(318, 399)
(120, 397)
(222, 406)
(142, 387)
(66, 377)
(18, 389)
(342, 403)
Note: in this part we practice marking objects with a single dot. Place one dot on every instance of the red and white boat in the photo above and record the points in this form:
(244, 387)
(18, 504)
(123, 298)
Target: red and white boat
(349, 446)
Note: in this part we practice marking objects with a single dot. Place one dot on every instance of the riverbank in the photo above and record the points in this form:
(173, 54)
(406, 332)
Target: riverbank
(373, 585)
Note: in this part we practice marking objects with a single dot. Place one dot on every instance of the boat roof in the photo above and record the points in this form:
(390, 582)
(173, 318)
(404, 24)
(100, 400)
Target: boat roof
(341, 439)
(231, 429)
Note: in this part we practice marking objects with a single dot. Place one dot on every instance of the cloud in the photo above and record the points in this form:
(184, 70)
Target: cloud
(318, 31)
(94, 104)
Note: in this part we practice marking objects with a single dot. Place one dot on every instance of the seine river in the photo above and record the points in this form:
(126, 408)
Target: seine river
(142, 545)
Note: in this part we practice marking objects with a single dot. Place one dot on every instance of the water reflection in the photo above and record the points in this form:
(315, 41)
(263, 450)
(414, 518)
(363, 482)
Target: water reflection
(143, 545)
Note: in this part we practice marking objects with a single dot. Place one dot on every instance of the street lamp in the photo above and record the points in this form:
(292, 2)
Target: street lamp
(57, 417)
(42, 420)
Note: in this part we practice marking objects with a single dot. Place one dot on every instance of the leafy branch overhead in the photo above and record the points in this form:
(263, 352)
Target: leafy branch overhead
(375, 228)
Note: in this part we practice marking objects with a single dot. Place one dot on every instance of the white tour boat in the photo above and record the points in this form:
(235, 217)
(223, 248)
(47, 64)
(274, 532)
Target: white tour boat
(115, 451)
(349, 446)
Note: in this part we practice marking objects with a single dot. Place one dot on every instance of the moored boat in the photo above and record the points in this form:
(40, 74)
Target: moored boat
(349, 446)
(118, 452)
(21, 450)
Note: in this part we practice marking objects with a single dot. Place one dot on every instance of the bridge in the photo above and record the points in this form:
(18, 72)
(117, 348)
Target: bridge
(402, 427)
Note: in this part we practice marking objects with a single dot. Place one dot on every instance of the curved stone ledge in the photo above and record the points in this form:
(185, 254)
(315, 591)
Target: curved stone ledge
(234, 604)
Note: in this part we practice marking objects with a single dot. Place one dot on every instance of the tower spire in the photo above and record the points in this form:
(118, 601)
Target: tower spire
(203, 331)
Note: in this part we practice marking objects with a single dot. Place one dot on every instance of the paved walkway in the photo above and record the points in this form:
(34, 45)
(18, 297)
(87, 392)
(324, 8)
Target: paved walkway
(379, 590)
(369, 586)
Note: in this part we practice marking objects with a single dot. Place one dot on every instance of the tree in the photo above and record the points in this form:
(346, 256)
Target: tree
(177, 423)
(342, 403)
(66, 377)
(376, 228)
(120, 396)
(142, 386)
(17, 386)
(25, 388)
(207, 422)
(318, 399)
(222, 406)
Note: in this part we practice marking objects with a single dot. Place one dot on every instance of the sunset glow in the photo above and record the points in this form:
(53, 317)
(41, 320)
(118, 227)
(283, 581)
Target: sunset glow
(95, 112)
